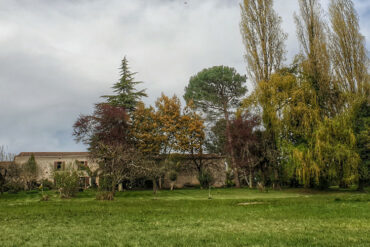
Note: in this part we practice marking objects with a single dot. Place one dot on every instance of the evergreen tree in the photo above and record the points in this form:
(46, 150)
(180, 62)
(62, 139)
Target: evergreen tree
(217, 91)
(126, 95)
(30, 172)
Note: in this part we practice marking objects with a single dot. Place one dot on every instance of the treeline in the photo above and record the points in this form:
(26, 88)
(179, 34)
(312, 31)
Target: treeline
(306, 124)
(315, 112)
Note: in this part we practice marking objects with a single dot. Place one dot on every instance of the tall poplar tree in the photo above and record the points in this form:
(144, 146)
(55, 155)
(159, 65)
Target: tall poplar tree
(347, 47)
(263, 38)
(311, 32)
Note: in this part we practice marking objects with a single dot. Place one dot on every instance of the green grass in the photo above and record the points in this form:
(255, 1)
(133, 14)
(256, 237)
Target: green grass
(187, 218)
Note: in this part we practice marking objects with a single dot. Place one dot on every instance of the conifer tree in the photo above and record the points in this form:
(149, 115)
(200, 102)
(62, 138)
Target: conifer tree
(126, 95)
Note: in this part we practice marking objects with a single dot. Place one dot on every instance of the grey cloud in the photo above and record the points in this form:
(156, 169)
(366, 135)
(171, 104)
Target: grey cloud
(58, 57)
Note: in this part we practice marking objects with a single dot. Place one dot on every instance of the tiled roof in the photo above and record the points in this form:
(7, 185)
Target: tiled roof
(58, 154)
(22, 154)
(5, 163)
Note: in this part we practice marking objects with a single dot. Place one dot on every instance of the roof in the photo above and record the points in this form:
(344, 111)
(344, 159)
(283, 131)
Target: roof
(52, 154)
(5, 164)
(61, 154)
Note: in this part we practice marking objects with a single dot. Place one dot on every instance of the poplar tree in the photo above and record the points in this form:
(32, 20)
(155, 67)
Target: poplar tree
(311, 32)
(263, 38)
(347, 48)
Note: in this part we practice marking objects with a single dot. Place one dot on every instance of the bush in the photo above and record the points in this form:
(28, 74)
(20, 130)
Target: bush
(47, 184)
(31, 184)
(67, 183)
(14, 186)
(44, 197)
(105, 183)
(229, 179)
(105, 195)
(173, 176)
(205, 179)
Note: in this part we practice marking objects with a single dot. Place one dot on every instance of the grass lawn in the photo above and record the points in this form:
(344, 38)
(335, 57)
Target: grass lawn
(234, 217)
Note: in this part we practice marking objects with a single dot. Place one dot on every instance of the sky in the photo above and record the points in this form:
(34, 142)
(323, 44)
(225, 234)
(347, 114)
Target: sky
(58, 57)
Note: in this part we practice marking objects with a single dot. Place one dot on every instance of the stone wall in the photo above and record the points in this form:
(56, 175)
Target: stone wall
(188, 174)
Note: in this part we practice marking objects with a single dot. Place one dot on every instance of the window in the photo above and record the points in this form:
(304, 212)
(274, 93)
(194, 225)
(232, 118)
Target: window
(58, 165)
(81, 164)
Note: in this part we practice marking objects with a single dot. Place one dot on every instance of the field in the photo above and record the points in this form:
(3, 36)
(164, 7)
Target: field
(233, 217)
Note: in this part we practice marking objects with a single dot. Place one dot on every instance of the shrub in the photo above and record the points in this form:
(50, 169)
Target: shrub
(47, 184)
(14, 186)
(105, 183)
(229, 179)
(205, 179)
(173, 177)
(67, 183)
(105, 195)
(44, 197)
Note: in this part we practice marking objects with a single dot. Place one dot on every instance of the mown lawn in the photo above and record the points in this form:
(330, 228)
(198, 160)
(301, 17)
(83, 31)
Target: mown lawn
(188, 218)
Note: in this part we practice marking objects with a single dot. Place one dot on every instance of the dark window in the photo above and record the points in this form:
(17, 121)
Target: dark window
(59, 165)
(81, 165)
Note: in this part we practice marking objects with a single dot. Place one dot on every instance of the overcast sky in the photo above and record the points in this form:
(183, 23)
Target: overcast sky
(58, 57)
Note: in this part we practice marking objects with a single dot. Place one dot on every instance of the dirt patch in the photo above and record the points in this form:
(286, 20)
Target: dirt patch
(250, 203)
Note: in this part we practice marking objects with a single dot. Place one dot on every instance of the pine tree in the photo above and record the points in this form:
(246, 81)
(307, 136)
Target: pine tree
(126, 94)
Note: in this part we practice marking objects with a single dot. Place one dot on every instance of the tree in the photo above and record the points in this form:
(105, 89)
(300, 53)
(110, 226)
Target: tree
(150, 139)
(245, 143)
(191, 136)
(263, 38)
(217, 91)
(334, 151)
(168, 115)
(216, 138)
(107, 125)
(290, 115)
(66, 182)
(145, 130)
(126, 95)
(361, 126)
(30, 172)
(160, 131)
(311, 32)
(347, 48)
(117, 163)
(4, 156)
(107, 134)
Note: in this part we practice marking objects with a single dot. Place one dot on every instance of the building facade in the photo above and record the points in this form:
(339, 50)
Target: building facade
(49, 162)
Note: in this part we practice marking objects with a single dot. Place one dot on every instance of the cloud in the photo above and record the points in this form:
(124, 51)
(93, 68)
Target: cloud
(58, 57)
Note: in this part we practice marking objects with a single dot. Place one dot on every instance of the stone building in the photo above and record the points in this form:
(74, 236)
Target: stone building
(48, 162)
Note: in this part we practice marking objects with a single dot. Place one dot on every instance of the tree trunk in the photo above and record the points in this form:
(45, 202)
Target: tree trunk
(172, 185)
(229, 141)
(276, 184)
(155, 188)
(361, 184)
(113, 189)
(250, 178)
